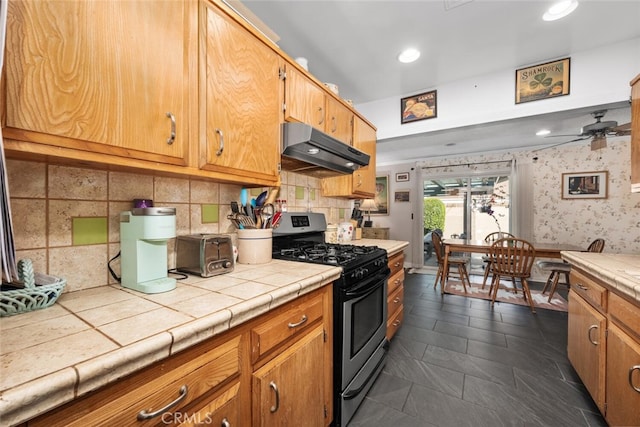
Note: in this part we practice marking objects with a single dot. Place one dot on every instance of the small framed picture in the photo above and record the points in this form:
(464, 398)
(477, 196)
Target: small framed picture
(585, 185)
(419, 107)
(402, 196)
(382, 195)
(402, 177)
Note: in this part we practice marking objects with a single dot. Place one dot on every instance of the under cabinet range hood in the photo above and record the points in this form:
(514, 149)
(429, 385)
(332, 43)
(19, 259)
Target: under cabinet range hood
(309, 151)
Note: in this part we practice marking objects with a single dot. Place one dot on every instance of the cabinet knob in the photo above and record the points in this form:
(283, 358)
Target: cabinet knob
(172, 136)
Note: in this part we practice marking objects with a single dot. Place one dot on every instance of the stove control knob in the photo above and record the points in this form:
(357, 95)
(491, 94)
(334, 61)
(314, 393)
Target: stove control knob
(361, 273)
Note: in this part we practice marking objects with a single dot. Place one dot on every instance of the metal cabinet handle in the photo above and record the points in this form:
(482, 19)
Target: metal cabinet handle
(583, 287)
(589, 334)
(221, 145)
(633, 368)
(225, 423)
(172, 136)
(295, 325)
(396, 323)
(321, 115)
(359, 180)
(334, 124)
(144, 415)
(396, 300)
(274, 387)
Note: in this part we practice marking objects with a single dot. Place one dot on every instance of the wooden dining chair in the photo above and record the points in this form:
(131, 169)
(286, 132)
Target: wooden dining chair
(486, 259)
(513, 258)
(460, 262)
(557, 268)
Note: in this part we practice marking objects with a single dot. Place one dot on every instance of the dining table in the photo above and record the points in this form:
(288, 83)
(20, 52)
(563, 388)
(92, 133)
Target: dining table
(543, 250)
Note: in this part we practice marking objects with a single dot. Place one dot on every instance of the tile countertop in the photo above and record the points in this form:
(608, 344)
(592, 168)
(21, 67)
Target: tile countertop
(619, 271)
(92, 337)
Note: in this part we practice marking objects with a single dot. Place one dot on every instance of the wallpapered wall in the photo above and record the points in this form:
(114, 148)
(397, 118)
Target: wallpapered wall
(616, 218)
(66, 219)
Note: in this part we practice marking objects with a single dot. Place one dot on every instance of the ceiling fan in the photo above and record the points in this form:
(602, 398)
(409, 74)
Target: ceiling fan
(598, 131)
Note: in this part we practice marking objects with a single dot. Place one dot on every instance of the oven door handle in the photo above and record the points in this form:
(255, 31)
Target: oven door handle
(365, 287)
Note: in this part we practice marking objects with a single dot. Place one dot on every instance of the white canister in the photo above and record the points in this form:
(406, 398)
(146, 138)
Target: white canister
(345, 232)
(303, 62)
(331, 234)
(255, 245)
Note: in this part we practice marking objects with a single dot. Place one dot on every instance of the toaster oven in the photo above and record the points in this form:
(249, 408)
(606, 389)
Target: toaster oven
(204, 254)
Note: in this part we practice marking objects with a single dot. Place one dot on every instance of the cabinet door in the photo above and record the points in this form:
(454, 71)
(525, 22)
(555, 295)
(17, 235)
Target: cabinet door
(304, 100)
(239, 96)
(635, 135)
(339, 121)
(586, 346)
(289, 390)
(105, 76)
(623, 379)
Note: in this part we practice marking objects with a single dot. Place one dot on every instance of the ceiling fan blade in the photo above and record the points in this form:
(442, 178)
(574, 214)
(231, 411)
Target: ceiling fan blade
(625, 127)
(564, 136)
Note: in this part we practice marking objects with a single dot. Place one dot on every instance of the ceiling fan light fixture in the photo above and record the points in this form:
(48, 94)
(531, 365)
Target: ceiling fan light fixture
(560, 10)
(409, 55)
(543, 132)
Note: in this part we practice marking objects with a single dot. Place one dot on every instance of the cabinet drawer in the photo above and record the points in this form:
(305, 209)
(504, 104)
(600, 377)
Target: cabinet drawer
(220, 411)
(183, 378)
(292, 320)
(625, 313)
(396, 263)
(393, 324)
(395, 281)
(589, 289)
(395, 301)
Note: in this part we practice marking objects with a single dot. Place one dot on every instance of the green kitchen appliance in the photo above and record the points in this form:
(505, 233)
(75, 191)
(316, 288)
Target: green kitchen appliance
(144, 233)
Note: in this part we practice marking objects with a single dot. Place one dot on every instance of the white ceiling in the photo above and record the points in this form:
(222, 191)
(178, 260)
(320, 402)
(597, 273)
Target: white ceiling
(354, 44)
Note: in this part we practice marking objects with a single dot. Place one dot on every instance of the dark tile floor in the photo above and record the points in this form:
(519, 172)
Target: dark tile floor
(457, 362)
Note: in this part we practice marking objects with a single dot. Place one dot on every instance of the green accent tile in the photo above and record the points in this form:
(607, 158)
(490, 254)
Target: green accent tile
(255, 191)
(341, 213)
(210, 213)
(89, 231)
(299, 193)
(312, 194)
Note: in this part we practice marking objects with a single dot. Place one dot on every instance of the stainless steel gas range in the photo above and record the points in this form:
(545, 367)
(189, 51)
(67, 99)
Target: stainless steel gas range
(359, 306)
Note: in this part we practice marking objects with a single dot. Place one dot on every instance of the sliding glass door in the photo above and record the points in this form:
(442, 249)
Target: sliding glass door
(465, 207)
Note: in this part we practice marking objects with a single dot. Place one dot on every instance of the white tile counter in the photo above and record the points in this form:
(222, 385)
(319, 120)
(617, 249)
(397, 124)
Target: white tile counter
(621, 272)
(92, 337)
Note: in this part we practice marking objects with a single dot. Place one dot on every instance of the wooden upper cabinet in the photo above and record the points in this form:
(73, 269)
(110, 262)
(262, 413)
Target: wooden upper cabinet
(239, 99)
(339, 121)
(635, 135)
(304, 100)
(362, 183)
(101, 77)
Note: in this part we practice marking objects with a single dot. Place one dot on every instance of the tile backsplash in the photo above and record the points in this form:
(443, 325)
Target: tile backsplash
(66, 219)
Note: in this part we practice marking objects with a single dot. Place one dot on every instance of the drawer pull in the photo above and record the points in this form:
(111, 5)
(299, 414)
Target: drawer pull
(583, 287)
(396, 322)
(172, 135)
(633, 368)
(397, 264)
(301, 322)
(396, 300)
(592, 327)
(144, 415)
(221, 146)
(225, 423)
(275, 407)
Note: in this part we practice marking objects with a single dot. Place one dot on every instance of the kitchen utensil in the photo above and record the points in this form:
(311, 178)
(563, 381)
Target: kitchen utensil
(244, 197)
(273, 193)
(275, 220)
(234, 207)
(260, 200)
(266, 214)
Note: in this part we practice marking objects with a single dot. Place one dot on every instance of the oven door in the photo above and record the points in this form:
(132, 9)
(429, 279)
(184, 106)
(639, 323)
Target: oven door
(364, 323)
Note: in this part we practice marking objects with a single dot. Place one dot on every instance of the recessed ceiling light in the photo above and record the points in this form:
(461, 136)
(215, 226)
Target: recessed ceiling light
(560, 10)
(543, 132)
(409, 55)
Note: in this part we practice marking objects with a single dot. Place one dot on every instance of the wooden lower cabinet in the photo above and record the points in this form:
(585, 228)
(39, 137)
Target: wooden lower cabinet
(586, 346)
(217, 381)
(604, 347)
(288, 390)
(395, 294)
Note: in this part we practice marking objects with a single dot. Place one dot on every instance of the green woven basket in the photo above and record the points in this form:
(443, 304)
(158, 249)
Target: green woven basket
(40, 291)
